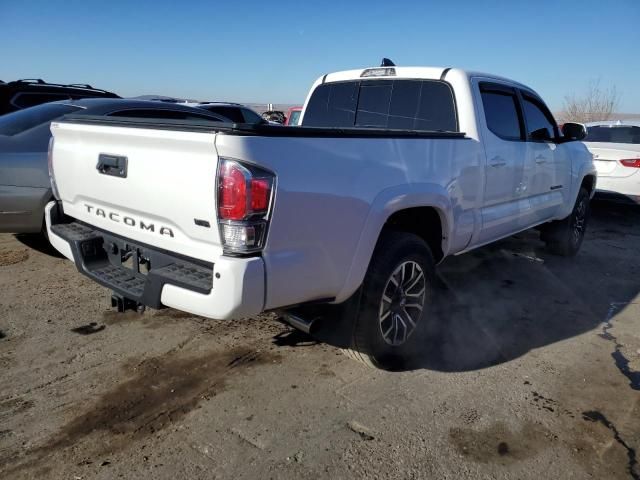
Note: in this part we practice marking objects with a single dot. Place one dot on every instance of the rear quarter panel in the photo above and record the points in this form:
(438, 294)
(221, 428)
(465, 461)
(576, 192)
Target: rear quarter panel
(334, 195)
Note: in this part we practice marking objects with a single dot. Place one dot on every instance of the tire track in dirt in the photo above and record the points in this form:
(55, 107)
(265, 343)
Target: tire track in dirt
(159, 392)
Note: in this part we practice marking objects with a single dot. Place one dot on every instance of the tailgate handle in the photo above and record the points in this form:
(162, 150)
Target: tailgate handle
(113, 165)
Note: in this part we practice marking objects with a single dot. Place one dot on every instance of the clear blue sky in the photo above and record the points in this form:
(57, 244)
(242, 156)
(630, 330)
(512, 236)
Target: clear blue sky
(271, 51)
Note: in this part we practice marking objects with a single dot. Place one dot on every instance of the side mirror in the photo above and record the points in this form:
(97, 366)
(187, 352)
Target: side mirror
(540, 135)
(574, 131)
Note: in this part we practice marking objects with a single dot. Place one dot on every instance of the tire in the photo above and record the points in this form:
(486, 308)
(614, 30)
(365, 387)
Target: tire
(565, 237)
(397, 291)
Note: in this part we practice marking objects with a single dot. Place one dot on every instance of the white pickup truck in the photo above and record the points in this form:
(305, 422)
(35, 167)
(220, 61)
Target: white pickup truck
(392, 170)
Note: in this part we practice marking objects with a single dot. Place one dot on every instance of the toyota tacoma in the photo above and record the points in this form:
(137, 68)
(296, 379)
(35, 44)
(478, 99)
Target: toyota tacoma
(392, 170)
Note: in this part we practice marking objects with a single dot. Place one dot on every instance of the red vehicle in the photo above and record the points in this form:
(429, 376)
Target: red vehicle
(293, 116)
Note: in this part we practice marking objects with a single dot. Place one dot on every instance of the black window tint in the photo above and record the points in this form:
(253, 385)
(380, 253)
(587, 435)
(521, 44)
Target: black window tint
(393, 104)
(333, 105)
(436, 110)
(23, 120)
(341, 108)
(613, 134)
(161, 114)
(373, 104)
(537, 120)
(317, 114)
(501, 113)
(405, 98)
(25, 100)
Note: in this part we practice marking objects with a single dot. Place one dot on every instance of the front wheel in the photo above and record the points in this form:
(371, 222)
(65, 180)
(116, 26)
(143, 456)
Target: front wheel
(565, 237)
(396, 294)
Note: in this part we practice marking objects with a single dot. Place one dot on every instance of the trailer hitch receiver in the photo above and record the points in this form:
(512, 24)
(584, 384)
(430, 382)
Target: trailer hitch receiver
(122, 304)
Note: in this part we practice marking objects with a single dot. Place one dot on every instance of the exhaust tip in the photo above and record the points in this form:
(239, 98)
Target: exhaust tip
(304, 324)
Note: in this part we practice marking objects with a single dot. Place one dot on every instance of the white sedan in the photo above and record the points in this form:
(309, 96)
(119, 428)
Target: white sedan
(615, 146)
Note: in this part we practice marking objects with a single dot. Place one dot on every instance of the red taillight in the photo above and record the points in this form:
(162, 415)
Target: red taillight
(244, 200)
(260, 192)
(632, 162)
(232, 198)
(235, 200)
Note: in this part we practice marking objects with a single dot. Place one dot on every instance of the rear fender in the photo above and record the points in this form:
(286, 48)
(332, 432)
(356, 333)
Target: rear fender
(387, 203)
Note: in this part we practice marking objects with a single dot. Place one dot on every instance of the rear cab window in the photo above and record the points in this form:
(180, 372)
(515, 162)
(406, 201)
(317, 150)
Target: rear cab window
(403, 104)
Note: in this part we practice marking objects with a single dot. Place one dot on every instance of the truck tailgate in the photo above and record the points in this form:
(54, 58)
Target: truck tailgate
(164, 197)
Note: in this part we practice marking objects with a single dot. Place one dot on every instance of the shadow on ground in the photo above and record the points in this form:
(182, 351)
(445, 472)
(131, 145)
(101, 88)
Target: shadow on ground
(38, 242)
(498, 302)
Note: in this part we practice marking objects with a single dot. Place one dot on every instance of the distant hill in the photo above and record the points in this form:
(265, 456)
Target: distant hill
(262, 107)
(626, 116)
(161, 97)
(559, 116)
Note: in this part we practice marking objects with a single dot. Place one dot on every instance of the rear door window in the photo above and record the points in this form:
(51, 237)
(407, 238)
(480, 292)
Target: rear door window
(501, 112)
(390, 104)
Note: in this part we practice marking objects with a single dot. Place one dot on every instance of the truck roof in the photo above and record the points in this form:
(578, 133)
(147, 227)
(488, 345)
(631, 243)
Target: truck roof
(430, 73)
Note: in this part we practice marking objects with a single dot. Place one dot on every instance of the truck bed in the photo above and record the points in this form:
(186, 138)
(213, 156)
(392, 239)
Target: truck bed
(334, 187)
(258, 129)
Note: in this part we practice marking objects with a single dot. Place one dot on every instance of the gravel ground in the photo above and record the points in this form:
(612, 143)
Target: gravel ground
(535, 374)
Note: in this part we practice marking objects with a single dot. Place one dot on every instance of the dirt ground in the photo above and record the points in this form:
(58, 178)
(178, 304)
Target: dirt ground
(535, 374)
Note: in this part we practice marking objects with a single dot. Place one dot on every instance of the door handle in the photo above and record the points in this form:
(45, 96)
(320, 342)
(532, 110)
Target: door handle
(497, 161)
(540, 159)
(113, 165)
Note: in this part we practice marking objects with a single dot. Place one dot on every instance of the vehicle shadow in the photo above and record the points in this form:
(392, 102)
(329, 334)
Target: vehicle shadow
(499, 302)
(294, 338)
(39, 243)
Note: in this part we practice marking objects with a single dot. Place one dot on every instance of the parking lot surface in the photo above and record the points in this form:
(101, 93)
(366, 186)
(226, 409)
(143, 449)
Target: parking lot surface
(535, 373)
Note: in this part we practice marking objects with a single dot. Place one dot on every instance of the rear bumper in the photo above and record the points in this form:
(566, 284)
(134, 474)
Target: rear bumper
(228, 288)
(627, 186)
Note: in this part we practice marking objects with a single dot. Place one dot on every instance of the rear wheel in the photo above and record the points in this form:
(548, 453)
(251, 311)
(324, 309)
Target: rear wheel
(396, 294)
(565, 237)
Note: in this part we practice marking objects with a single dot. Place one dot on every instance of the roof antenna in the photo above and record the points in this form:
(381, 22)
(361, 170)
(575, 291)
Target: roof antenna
(387, 63)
